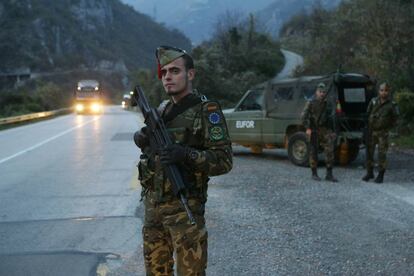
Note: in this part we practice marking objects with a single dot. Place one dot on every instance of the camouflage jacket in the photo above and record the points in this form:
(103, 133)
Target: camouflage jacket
(318, 114)
(201, 127)
(382, 116)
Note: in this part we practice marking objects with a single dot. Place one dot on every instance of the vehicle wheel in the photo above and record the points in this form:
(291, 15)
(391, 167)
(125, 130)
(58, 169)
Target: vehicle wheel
(298, 149)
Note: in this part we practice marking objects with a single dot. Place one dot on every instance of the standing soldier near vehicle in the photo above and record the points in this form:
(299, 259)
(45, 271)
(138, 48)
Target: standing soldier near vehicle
(201, 148)
(382, 115)
(318, 118)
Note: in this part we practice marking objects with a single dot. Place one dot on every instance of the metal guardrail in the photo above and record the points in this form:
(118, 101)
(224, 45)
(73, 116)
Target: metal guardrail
(33, 116)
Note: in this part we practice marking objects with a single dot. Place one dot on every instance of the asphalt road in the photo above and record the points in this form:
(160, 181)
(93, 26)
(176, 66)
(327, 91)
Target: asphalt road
(68, 194)
(292, 60)
(267, 217)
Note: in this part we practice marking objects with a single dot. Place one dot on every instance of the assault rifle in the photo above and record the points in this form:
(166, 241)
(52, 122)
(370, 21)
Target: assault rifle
(160, 138)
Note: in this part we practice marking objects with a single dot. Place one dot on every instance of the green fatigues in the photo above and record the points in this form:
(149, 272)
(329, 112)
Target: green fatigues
(381, 118)
(317, 115)
(166, 226)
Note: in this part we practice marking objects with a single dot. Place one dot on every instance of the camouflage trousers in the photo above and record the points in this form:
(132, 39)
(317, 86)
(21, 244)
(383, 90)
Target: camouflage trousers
(166, 231)
(379, 138)
(326, 141)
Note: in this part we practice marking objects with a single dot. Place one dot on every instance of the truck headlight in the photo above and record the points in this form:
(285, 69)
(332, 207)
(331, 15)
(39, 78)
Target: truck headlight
(79, 107)
(95, 107)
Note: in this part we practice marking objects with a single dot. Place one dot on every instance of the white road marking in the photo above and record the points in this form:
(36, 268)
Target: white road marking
(46, 141)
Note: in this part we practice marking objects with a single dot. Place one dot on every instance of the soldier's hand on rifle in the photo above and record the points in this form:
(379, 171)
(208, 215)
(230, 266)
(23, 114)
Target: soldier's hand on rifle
(141, 138)
(308, 131)
(174, 153)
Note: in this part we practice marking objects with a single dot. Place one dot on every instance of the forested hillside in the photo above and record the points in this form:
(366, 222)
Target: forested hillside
(197, 18)
(47, 35)
(278, 12)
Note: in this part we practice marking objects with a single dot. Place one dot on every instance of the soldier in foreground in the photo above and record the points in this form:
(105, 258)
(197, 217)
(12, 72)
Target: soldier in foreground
(202, 148)
(317, 117)
(382, 115)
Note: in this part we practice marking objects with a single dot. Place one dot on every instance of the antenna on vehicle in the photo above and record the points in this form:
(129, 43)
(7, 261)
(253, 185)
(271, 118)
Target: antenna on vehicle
(337, 73)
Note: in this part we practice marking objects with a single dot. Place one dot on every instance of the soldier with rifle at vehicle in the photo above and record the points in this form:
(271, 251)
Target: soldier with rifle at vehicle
(318, 118)
(382, 115)
(183, 143)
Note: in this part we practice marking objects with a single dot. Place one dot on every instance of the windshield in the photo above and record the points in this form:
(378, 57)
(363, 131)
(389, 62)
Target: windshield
(354, 95)
(253, 101)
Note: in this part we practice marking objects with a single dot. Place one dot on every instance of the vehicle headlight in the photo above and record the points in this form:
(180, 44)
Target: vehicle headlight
(79, 107)
(96, 107)
(96, 88)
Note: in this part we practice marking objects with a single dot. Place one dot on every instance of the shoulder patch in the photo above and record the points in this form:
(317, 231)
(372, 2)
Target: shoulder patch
(214, 118)
(216, 133)
(212, 106)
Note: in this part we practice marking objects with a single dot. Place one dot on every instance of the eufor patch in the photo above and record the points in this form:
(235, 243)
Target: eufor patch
(214, 118)
(216, 133)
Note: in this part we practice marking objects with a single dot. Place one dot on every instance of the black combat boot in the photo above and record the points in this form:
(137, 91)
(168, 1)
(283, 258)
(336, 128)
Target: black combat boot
(369, 175)
(380, 177)
(315, 174)
(329, 176)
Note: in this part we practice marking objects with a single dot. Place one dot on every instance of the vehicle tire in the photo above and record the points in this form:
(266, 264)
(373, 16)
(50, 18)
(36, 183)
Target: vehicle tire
(298, 149)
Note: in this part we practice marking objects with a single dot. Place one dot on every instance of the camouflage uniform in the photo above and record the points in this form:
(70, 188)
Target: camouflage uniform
(202, 127)
(317, 114)
(381, 118)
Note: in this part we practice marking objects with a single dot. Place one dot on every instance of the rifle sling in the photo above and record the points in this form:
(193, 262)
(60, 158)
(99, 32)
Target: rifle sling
(172, 110)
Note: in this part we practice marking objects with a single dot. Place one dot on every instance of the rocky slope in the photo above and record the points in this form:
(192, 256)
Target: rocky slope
(46, 35)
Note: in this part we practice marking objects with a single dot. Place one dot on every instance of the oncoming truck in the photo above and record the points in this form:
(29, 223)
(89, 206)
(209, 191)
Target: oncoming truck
(269, 115)
(88, 97)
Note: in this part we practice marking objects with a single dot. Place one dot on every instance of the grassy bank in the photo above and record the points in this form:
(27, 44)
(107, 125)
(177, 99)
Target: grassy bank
(406, 141)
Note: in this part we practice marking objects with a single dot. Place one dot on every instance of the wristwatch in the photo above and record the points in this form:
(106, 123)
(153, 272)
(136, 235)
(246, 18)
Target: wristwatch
(193, 155)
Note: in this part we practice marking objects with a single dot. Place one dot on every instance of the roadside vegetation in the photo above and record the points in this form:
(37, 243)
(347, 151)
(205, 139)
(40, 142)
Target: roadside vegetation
(404, 141)
(47, 96)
